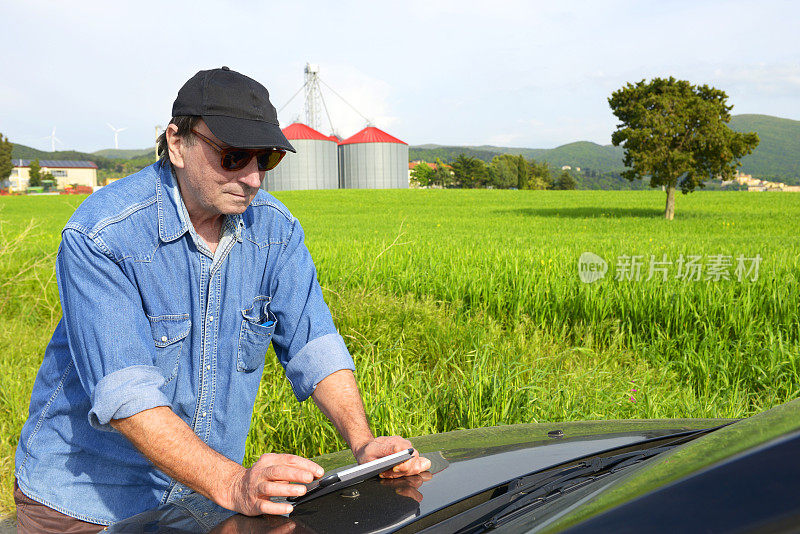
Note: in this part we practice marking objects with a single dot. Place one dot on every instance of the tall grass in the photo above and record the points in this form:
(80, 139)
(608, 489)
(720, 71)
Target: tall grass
(29, 311)
(511, 256)
(464, 309)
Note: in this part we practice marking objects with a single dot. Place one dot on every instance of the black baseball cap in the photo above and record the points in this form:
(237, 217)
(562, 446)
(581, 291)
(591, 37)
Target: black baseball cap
(236, 109)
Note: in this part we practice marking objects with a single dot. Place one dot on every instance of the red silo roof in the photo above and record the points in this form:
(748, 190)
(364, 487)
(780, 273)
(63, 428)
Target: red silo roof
(299, 130)
(370, 134)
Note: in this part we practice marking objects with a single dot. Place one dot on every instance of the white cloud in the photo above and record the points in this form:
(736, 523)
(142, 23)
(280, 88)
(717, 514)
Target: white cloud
(762, 79)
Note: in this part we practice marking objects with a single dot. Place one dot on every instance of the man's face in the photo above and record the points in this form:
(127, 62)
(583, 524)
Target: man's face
(209, 190)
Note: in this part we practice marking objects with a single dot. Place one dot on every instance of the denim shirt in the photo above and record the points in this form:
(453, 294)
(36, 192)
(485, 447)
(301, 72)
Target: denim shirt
(150, 319)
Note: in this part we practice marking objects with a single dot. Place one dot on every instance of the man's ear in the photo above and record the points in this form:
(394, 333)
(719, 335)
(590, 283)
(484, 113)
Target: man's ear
(176, 146)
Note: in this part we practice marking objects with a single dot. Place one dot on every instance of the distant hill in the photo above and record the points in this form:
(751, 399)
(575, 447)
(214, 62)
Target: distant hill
(778, 154)
(578, 154)
(118, 153)
(449, 153)
(776, 158)
(26, 152)
(586, 154)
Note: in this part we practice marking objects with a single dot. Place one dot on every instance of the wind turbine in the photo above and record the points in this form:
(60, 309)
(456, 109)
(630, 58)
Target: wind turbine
(53, 140)
(116, 134)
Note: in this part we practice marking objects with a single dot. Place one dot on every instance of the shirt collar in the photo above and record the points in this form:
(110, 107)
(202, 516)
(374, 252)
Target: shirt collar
(171, 225)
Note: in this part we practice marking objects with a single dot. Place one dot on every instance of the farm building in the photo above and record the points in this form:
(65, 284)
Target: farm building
(373, 159)
(63, 171)
(312, 167)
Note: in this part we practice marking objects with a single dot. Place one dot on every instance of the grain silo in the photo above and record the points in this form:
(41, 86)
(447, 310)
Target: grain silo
(373, 159)
(312, 167)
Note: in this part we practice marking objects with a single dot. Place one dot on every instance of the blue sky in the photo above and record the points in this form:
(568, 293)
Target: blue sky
(530, 74)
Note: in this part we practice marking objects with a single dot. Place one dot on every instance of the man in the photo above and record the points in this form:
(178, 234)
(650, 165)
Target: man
(173, 282)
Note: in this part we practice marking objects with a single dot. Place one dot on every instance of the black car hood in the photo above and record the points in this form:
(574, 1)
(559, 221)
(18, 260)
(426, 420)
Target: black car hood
(705, 455)
(464, 464)
(460, 472)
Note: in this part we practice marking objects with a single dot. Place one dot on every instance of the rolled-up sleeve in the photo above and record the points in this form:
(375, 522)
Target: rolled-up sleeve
(109, 335)
(305, 341)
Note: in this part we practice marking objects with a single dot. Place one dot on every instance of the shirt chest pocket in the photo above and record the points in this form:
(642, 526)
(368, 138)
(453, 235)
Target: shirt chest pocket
(255, 335)
(169, 333)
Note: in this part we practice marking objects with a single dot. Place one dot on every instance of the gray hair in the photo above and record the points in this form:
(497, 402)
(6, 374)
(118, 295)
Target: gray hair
(185, 123)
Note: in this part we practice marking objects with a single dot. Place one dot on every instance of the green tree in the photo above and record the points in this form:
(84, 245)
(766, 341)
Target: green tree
(507, 171)
(564, 181)
(34, 175)
(523, 174)
(422, 174)
(442, 175)
(469, 171)
(672, 130)
(502, 173)
(5, 158)
(539, 175)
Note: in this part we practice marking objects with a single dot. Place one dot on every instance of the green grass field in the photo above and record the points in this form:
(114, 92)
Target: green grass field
(465, 309)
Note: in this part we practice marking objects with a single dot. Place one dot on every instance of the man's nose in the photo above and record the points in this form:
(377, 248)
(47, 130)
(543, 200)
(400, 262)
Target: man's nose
(252, 176)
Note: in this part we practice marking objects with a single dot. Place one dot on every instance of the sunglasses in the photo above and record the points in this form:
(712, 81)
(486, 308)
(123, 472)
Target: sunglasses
(234, 159)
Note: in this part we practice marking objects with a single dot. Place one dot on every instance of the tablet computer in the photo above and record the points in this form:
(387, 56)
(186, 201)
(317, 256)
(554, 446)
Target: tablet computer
(353, 475)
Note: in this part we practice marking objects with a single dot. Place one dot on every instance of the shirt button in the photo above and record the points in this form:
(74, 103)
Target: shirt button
(205, 413)
(208, 367)
(164, 339)
(210, 318)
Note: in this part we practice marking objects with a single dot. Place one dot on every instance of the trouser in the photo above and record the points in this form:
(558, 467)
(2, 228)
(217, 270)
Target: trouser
(36, 518)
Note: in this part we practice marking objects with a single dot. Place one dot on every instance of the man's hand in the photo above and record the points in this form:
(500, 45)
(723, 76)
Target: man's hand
(271, 476)
(168, 442)
(338, 397)
(386, 445)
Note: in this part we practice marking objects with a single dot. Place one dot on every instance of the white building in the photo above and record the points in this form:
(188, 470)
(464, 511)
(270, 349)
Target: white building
(65, 173)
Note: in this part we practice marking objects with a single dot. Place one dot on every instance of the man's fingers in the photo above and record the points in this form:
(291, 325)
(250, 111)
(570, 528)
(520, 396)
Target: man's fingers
(287, 473)
(274, 475)
(291, 461)
(383, 446)
(279, 489)
(386, 445)
(413, 466)
(394, 444)
(298, 462)
(274, 508)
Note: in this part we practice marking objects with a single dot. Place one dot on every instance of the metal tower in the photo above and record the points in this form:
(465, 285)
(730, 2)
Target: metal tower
(313, 96)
